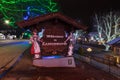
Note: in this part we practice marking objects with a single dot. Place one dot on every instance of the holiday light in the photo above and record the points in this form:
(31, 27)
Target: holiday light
(7, 21)
(17, 10)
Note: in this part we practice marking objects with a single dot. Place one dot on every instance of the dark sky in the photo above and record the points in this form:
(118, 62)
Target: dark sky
(84, 9)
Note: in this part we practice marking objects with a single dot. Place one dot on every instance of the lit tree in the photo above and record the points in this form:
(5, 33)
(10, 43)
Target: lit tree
(17, 10)
(107, 27)
(79, 33)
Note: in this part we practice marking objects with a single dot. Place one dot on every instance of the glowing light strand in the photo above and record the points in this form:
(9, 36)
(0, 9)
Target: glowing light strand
(15, 10)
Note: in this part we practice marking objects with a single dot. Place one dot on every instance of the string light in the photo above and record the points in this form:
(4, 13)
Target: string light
(17, 10)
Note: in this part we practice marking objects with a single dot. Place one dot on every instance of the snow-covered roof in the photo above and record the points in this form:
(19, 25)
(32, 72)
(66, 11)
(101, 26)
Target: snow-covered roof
(114, 41)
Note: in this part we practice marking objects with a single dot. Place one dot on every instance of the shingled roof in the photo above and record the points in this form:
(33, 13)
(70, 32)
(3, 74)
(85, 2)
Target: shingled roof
(115, 42)
(45, 17)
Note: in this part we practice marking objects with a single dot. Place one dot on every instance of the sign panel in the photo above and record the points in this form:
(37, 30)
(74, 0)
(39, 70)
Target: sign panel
(53, 41)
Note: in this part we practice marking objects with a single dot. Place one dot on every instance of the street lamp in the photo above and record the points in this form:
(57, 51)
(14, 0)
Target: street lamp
(89, 57)
(89, 49)
(7, 21)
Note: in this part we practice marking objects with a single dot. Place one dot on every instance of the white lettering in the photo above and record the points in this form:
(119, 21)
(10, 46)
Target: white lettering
(54, 36)
(54, 44)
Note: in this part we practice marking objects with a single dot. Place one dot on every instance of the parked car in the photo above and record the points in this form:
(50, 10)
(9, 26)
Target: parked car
(2, 36)
(11, 36)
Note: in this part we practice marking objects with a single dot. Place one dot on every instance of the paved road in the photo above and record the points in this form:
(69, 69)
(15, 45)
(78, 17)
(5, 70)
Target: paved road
(10, 42)
(10, 51)
(24, 70)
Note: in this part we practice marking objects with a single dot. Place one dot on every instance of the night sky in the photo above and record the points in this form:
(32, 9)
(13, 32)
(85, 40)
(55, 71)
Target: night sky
(84, 9)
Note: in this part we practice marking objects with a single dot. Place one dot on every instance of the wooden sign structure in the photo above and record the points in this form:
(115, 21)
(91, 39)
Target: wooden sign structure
(53, 41)
(56, 26)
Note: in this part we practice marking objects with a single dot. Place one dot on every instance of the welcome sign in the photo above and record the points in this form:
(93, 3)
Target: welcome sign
(53, 42)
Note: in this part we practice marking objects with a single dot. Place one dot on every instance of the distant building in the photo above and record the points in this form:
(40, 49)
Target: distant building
(115, 44)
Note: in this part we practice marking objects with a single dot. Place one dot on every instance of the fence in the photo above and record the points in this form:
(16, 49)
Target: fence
(104, 64)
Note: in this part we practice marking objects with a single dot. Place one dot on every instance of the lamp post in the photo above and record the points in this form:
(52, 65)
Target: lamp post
(7, 21)
(89, 50)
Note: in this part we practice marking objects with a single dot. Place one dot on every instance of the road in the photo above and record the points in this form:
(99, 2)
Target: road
(10, 50)
(10, 42)
(24, 70)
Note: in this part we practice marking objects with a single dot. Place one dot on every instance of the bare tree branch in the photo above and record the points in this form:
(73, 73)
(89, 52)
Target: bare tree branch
(108, 26)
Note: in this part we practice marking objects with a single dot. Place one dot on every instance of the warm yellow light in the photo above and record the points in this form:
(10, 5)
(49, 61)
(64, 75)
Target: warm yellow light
(89, 49)
(79, 38)
(7, 21)
(117, 60)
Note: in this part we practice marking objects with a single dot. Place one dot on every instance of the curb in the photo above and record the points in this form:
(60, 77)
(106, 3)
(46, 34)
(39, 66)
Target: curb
(12, 65)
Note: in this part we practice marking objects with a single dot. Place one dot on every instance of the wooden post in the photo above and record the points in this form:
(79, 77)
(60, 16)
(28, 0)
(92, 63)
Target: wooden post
(114, 51)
